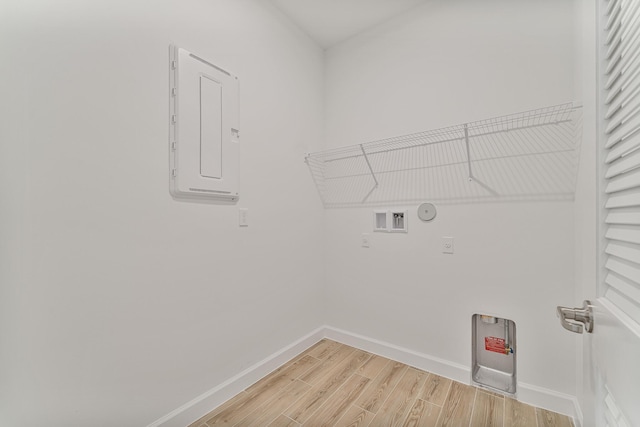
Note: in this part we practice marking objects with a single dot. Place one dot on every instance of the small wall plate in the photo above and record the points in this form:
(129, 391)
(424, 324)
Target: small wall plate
(380, 221)
(427, 211)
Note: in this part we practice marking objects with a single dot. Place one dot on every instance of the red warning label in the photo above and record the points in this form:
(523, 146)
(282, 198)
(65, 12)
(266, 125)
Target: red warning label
(494, 344)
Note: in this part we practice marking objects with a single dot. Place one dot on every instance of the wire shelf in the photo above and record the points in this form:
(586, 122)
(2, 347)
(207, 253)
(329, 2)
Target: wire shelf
(531, 155)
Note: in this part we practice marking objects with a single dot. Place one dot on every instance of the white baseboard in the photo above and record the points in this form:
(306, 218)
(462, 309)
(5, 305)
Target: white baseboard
(205, 403)
(551, 400)
(201, 405)
(578, 420)
(422, 361)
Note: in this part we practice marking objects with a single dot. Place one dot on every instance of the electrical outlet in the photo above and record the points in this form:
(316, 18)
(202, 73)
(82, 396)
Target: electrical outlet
(365, 240)
(447, 245)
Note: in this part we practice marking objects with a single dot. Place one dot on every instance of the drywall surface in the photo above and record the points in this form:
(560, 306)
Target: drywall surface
(117, 303)
(443, 64)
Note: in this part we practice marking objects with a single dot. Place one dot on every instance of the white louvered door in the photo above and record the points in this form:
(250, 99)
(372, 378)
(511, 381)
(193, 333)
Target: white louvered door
(615, 344)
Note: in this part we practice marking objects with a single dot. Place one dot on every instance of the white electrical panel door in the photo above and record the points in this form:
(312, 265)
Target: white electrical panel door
(204, 137)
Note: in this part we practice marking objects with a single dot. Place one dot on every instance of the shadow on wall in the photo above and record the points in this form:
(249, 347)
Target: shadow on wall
(525, 156)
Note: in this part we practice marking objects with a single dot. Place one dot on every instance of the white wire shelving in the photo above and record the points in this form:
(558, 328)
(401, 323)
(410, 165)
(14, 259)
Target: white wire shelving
(531, 155)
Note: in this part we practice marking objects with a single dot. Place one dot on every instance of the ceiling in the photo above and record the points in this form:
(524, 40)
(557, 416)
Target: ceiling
(330, 22)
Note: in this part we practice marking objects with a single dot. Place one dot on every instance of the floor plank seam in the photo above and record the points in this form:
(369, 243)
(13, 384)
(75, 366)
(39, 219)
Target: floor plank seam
(326, 399)
(284, 411)
(416, 398)
(342, 416)
(360, 407)
(382, 405)
(291, 419)
(446, 395)
(473, 407)
(430, 403)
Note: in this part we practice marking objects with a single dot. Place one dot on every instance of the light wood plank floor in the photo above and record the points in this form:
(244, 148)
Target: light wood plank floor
(332, 384)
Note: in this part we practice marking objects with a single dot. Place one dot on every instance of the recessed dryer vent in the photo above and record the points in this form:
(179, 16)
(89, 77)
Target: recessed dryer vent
(493, 363)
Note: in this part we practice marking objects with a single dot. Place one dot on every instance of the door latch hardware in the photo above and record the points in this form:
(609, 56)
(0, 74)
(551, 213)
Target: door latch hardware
(569, 317)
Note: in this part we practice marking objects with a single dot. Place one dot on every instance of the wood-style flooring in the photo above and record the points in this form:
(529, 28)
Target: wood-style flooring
(332, 384)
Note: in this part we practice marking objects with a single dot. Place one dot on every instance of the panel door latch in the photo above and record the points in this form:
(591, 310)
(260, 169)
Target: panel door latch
(571, 317)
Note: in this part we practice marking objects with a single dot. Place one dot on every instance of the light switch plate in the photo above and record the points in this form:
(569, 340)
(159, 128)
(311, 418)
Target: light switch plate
(243, 217)
(365, 242)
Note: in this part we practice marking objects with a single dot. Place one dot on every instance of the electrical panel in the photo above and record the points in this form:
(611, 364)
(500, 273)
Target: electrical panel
(204, 131)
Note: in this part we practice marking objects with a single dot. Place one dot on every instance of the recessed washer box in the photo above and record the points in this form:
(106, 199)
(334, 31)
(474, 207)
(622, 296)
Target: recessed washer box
(204, 131)
(390, 221)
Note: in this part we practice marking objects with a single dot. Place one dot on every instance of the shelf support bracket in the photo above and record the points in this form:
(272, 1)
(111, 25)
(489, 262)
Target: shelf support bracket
(466, 141)
(469, 172)
(373, 175)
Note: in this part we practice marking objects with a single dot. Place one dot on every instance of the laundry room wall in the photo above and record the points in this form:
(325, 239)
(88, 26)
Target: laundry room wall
(441, 64)
(119, 304)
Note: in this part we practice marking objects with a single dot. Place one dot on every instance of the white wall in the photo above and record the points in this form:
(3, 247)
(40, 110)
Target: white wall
(442, 64)
(118, 304)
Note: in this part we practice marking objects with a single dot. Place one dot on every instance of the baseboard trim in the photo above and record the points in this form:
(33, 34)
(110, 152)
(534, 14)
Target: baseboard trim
(206, 402)
(201, 405)
(418, 360)
(578, 420)
(551, 400)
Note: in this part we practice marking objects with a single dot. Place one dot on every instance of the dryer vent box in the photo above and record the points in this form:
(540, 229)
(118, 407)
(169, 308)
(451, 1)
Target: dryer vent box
(204, 130)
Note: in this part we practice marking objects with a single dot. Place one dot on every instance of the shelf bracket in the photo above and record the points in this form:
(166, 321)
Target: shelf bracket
(469, 172)
(373, 175)
(466, 141)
